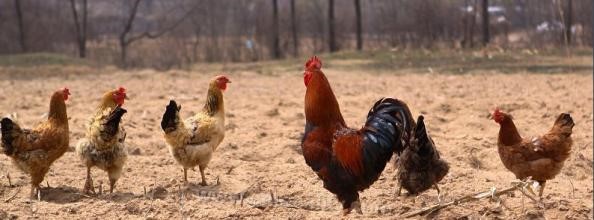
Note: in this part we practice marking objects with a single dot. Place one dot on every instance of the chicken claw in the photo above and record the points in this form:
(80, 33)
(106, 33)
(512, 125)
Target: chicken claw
(203, 183)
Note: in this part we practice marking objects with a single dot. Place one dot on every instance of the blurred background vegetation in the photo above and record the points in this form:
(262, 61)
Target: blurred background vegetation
(179, 33)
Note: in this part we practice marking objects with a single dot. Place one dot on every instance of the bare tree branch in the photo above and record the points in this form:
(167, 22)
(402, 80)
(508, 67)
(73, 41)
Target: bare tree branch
(22, 37)
(126, 41)
(81, 28)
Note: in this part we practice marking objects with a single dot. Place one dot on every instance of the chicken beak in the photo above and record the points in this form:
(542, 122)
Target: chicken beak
(491, 116)
(126, 97)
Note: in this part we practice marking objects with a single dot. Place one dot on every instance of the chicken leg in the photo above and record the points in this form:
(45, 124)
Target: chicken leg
(89, 183)
(186, 175)
(36, 179)
(356, 205)
(541, 190)
(112, 183)
(438, 193)
(203, 183)
(35, 192)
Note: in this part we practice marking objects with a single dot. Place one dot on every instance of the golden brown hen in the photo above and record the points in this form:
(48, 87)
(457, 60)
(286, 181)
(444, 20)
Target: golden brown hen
(34, 150)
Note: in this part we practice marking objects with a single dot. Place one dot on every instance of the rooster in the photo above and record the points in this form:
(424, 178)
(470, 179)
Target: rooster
(540, 158)
(420, 166)
(103, 144)
(34, 150)
(349, 160)
(193, 141)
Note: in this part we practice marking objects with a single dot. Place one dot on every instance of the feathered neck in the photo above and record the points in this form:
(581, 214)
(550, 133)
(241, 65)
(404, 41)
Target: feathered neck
(107, 101)
(508, 133)
(57, 108)
(214, 100)
(321, 106)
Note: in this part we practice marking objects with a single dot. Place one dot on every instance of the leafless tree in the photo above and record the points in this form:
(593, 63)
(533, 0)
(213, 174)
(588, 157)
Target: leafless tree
(276, 51)
(294, 30)
(469, 23)
(19, 13)
(485, 21)
(568, 21)
(80, 27)
(125, 40)
(331, 27)
(359, 26)
(140, 33)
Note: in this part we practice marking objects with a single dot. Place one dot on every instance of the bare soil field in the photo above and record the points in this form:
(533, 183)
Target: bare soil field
(260, 157)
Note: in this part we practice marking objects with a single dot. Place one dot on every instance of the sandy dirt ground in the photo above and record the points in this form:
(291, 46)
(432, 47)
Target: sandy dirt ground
(260, 155)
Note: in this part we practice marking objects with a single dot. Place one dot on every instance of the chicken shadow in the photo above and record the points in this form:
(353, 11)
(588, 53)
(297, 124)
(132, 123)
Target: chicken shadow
(61, 194)
(197, 188)
(66, 194)
(212, 191)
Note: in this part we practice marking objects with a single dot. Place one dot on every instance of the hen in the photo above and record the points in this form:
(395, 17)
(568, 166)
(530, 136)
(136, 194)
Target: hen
(34, 150)
(349, 160)
(540, 157)
(420, 166)
(103, 144)
(193, 141)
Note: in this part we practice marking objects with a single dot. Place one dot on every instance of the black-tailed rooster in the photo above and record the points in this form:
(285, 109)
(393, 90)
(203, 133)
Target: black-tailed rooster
(349, 160)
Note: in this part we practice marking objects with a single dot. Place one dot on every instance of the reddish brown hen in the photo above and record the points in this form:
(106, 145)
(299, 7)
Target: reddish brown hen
(540, 157)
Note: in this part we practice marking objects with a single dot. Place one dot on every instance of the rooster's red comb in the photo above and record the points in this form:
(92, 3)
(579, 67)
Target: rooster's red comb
(314, 63)
(121, 90)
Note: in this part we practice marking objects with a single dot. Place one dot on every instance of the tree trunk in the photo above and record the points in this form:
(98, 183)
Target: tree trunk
(19, 13)
(568, 21)
(275, 31)
(294, 30)
(359, 27)
(81, 28)
(83, 45)
(124, 40)
(331, 34)
(123, 52)
(485, 14)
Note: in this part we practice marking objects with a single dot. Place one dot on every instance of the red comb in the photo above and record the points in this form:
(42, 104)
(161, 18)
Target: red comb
(66, 90)
(122, 90)
(314, 63)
